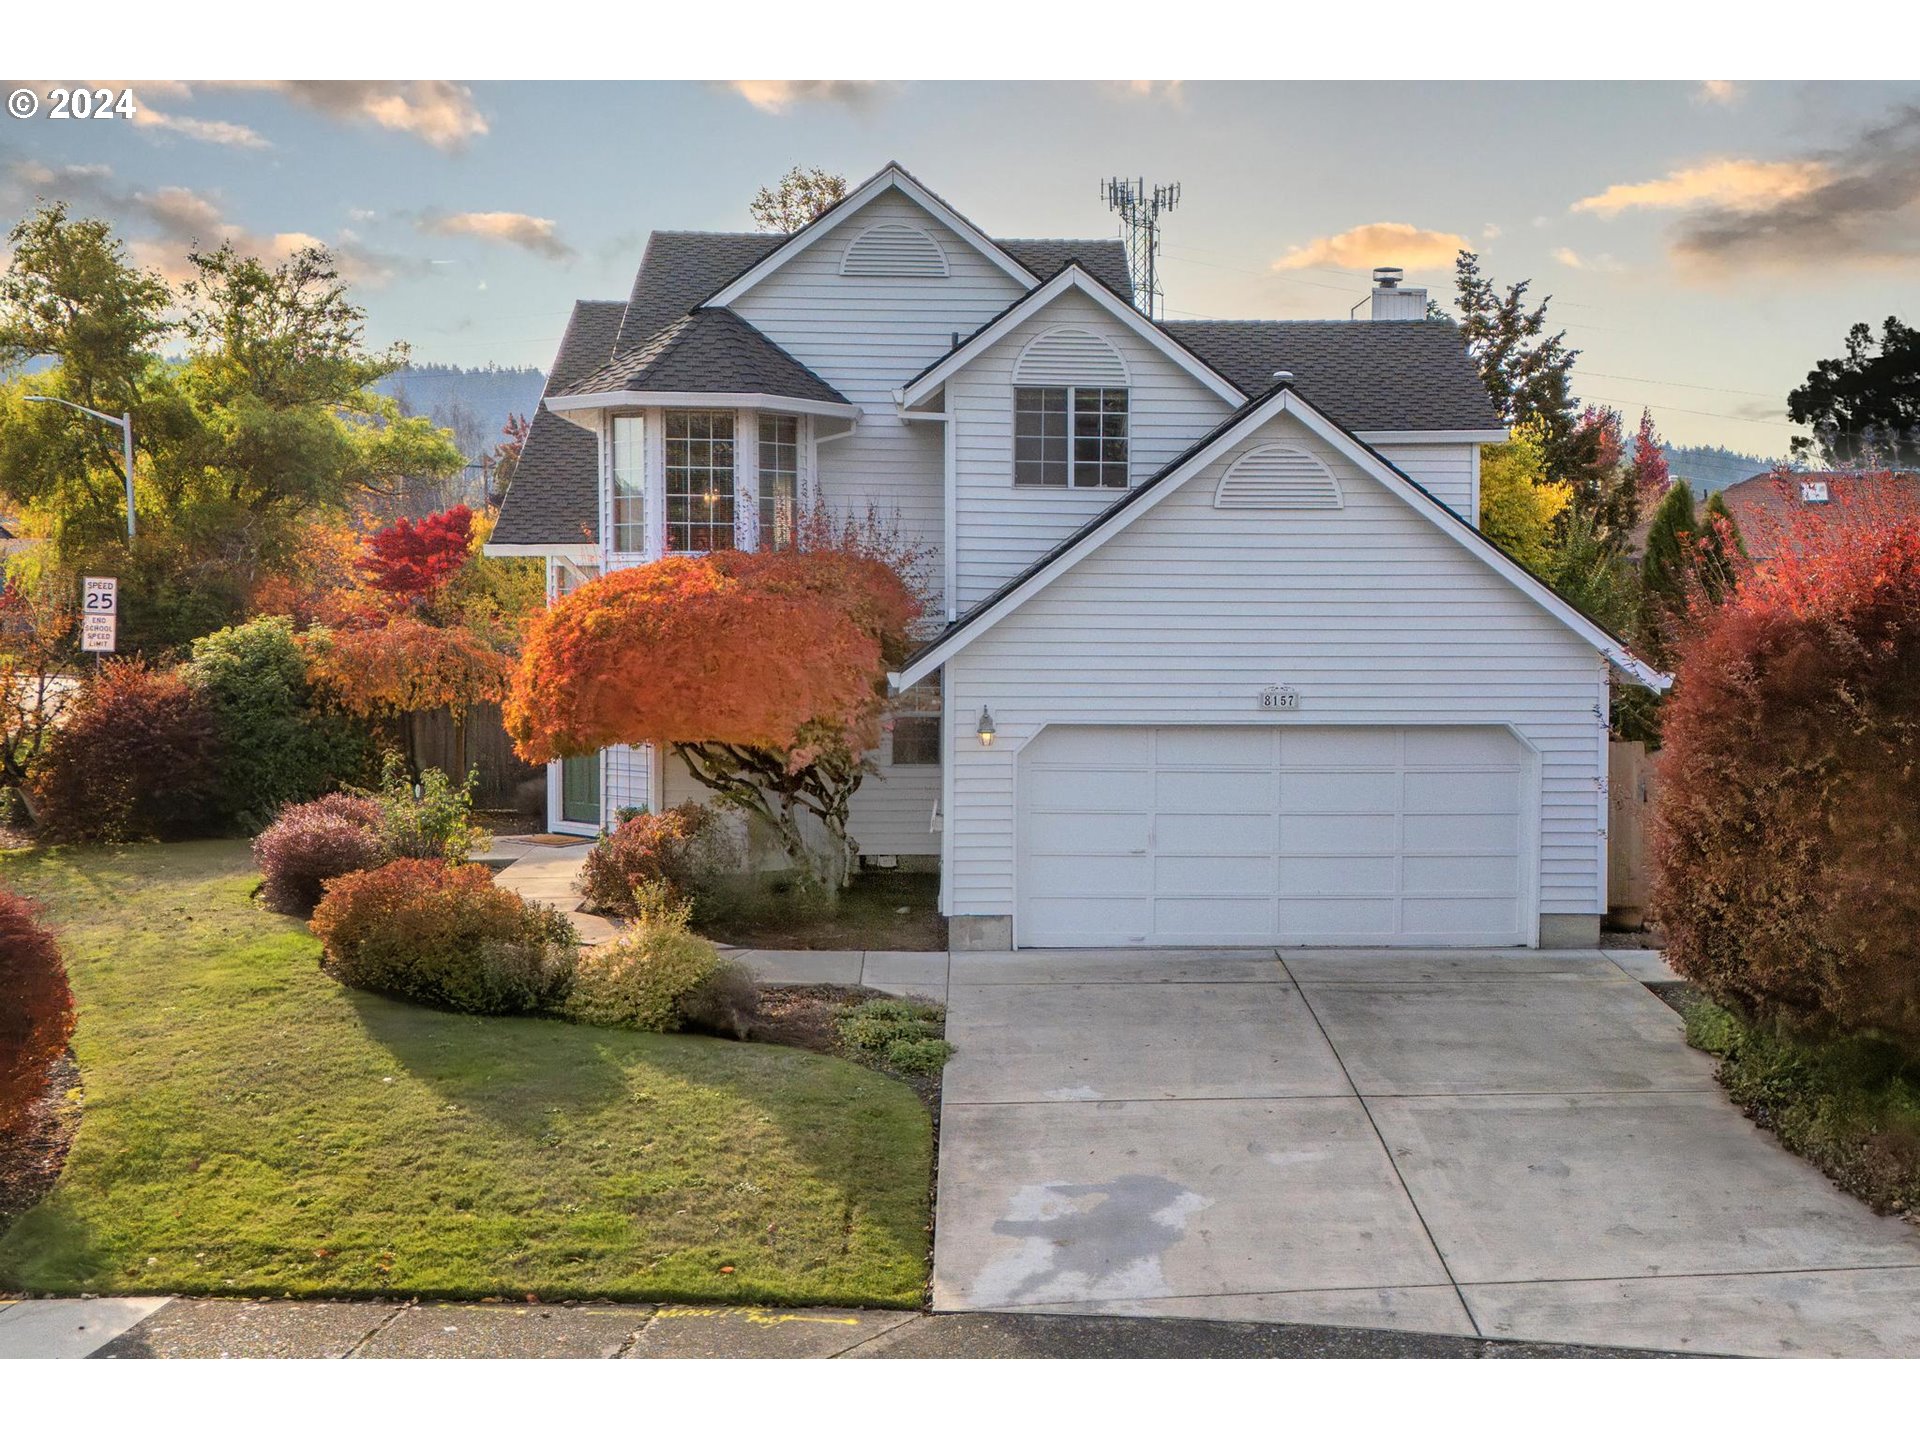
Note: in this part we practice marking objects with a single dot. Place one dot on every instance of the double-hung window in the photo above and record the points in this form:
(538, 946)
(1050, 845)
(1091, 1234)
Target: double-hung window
(1070, 436)
(629, 493)
(916, 724)
(699, 488)
(779, 482)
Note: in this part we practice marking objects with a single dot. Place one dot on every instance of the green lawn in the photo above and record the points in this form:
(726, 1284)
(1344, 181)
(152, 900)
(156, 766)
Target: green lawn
(251, 1126)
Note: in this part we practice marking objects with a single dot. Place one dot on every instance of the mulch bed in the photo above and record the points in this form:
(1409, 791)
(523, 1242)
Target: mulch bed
(30, 1162)
(803, 1017)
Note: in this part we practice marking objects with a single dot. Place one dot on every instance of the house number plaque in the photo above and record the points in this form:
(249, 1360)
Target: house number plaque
(1279, 697)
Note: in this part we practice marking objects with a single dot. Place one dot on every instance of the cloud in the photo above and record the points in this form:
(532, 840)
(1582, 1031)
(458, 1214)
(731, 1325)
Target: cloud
(1748, 185)
(176, 219)
(1172, 91)
(1717, 92)
(1385, 242)
(777, 96)
(502, 227)
(1857, 203)
(1490, 231)
(214, 132)
(1574, 260)
(440, 112)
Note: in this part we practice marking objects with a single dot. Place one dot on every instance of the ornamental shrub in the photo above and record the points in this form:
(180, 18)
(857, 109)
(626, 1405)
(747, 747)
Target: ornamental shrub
(659, 975)
(444, 935)
(134, 759)
(308, 845)
(903, 1035)
(691, 849)
(1789, 809)
(36, 1010)
(278, 743)
(435, 825)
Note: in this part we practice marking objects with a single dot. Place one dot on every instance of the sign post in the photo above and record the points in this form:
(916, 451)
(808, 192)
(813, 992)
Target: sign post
(99, 613)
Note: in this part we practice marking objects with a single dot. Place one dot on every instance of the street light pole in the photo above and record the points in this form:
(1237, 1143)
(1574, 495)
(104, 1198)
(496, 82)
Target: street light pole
(124, 421)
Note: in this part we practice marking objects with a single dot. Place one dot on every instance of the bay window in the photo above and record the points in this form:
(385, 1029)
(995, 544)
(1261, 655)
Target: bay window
(779, 481)
(699, 480)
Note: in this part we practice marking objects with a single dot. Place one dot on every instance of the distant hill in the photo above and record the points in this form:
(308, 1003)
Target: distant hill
(1707, 468)
(473, 403)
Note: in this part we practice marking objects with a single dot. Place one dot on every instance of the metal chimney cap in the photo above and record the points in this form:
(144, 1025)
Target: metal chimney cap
(1388, 277)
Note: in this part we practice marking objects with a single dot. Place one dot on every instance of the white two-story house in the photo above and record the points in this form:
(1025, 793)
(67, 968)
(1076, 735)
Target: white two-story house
(1222, 657)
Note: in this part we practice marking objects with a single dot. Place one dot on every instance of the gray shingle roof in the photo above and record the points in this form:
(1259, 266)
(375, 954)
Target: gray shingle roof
(680, 269)
(1362, 374)
(709, 350)
(552, 499)
(1105, 260)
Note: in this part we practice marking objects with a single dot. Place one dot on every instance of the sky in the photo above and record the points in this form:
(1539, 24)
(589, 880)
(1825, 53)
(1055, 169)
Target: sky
(1704, 242)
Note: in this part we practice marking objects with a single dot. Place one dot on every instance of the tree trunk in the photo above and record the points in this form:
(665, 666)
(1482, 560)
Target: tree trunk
(758, 782)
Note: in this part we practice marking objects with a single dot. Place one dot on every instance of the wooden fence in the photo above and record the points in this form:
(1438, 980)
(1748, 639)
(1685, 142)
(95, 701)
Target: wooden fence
(1632, 783)
(504, 777)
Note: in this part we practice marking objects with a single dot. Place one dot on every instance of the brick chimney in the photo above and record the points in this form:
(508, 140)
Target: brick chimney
(1392, 300)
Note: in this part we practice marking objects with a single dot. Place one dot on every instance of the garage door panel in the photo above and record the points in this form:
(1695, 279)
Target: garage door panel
(1214, 875)
(1095, 833)
(1463, 792)
(1457, 874)
(1349, 792)
(1213, 792)
(1082, 789)
(1087, 875)
(1344, 875)
(1206, 749)
(1087, 922)
(1325, 746)
(1184, 921)
(1339, 835)
(1282, 834)
(1213, 834)
(1458, 918)
(1473, 834)
(1341, 919)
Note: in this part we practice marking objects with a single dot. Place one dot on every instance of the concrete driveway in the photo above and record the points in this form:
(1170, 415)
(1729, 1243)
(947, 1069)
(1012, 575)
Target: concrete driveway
(1504, 1143)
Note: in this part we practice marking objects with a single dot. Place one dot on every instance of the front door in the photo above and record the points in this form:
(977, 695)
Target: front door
(580, 790)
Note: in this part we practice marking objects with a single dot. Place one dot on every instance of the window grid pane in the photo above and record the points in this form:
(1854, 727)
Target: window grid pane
(1100, 438)
(779, 481)
(1040, 436)
(629, 495)
(699, 480)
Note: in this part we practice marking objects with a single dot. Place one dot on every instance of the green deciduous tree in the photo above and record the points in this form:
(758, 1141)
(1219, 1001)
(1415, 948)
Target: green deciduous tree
(1864, 407)
(796, 199)
(1519, 506)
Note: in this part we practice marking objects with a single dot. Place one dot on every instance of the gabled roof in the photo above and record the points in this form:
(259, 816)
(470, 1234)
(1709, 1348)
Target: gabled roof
(890, 176)
(1074, 277)
(1280, 399)
(680, 269)
(707, 352)
(1367, 375)
(553, 498)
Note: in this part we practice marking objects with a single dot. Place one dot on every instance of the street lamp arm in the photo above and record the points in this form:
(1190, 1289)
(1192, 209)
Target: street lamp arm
(120, 421)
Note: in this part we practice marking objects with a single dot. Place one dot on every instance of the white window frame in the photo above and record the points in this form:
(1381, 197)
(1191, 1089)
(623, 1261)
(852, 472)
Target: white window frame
(1073, 462)
(639, 447)
(740, 493)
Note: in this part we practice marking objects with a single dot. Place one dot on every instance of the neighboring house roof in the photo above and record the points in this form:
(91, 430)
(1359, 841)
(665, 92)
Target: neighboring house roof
(1279, 399)
(1105, 260)
(1766, 507)
(710, 351)
(1366, 375)
(553, 498)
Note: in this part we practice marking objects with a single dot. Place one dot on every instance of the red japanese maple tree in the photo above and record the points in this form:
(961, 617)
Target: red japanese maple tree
(765, 671)
(409, 561)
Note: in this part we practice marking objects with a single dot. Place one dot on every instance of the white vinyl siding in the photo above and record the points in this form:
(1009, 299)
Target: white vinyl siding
(1371, 613)
(1002, 528)
(868, 335)
(1450, 473)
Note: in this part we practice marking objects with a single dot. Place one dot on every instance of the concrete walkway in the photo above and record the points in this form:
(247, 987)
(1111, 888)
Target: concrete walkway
(1477, 1143)
(158, 1328)
(545, 872)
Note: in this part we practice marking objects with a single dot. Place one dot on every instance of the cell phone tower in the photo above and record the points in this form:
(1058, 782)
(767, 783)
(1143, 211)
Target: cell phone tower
(1140, 210)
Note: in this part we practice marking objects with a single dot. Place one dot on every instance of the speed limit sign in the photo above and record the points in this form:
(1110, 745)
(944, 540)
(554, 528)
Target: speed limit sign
(99, 613)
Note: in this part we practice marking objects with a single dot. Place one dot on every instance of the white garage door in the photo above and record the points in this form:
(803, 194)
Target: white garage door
(1303, 835)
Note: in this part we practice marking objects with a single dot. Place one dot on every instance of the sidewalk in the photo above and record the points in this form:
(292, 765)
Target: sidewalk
(114, 1328)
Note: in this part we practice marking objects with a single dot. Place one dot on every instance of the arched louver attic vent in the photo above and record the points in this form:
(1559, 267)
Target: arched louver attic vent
(1069, 356)
(893, 248)
(1277, 477)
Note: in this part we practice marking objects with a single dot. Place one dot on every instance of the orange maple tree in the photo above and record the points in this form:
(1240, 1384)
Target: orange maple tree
(765, 671)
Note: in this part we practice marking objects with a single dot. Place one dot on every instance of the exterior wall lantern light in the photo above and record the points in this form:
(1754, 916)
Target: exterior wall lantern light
(986, 726)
